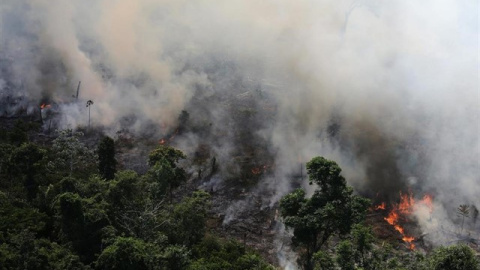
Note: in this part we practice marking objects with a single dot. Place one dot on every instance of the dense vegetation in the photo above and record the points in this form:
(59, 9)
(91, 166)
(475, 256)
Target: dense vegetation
(333, 210)
(65, 206)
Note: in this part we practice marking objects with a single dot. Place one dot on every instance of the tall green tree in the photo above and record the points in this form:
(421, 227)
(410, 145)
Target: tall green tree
(164, 167)
(107, 164)
(332, 209)
(26, 162)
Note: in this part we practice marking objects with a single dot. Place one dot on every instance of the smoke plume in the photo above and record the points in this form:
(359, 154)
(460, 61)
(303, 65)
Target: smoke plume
(389, 90)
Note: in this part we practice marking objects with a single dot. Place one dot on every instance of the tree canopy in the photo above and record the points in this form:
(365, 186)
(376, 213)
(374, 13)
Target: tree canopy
(332, 209)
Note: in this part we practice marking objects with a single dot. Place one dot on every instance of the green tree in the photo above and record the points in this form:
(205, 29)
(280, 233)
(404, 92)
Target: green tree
(19, 133)
(345, 255)
(81, 221)
(363, 242)
(106, 158)
(26, 161)
(70, 155)
(164, 168)
(5, 152)
(176, 257)
(323, 261)
(187, 222)
(128, 253)
(213, 253)
(458, 257)
(72, 217)
(332, 209)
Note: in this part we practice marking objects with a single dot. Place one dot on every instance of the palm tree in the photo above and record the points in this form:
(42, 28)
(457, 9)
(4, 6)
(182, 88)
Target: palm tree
(89, 104)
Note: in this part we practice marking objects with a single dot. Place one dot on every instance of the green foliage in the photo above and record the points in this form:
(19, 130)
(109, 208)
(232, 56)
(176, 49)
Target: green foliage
(25, 251)
(70, 156)
(323, 261)
(459, 257)
(187, 222)
(214, 254)
(332, 209)
(164, 169)
(74, 219)
(125, 193)
(345, 255)
(26, 162)
(128, 253)
(362, 239)
(81, 218)
(56, 212)
(106, 158)
(414, 261)
(5, 152)
(167, 153)
(17, 216)
(176, 257)
(19, 133)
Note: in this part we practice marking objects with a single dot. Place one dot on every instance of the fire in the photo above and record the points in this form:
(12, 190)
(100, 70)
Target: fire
(406, 203)
(168, 139)
(428, 202)
(259, 170)
(256, 170)
(392, 218)
(43, 106)
(381, 206)
(406, 206)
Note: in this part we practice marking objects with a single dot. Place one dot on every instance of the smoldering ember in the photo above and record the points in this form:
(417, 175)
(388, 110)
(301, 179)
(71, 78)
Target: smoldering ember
(239, 134)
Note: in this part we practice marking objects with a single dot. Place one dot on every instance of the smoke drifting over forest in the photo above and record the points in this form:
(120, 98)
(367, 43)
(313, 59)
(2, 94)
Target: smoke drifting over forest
(389, 90)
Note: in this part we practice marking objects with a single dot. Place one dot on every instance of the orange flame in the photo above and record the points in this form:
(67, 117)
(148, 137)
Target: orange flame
(381, 206)
(392, 218)
(256, 170)
(169, 139)
(43, 106)
(428, 202)
(405, 207)
(259, 170)
(406, 203)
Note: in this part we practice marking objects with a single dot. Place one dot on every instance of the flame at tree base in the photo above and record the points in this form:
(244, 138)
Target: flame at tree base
(403, 209)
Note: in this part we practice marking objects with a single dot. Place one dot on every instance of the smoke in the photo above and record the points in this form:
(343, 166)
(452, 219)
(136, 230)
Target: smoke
(389, 90)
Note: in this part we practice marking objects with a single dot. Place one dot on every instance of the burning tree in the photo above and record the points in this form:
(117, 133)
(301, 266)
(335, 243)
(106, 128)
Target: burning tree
(332, 209)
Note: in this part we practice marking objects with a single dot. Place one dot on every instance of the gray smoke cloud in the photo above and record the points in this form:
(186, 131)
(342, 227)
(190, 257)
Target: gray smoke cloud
(389, 90)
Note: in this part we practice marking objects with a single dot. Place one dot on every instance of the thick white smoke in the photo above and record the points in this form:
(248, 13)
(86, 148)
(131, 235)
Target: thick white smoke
(390, 90)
